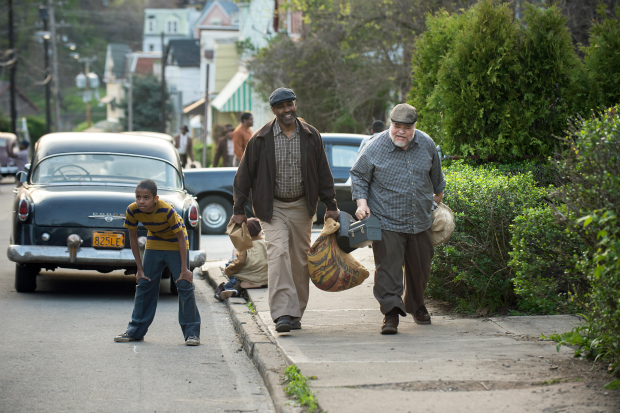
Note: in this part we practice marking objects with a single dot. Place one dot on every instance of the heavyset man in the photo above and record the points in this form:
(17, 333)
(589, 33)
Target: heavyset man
(396, 178)
(286, 168)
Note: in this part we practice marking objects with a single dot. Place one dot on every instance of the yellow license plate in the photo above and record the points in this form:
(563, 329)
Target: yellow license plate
(108, 239)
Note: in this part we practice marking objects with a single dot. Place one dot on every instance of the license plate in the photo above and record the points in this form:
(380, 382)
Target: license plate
(108, 239)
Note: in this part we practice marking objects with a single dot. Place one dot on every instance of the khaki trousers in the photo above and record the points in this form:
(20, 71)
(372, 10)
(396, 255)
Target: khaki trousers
(416, 250)
(288, 240)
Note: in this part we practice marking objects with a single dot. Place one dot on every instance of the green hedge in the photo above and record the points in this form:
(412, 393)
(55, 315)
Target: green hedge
(471, 271)
(490, 85)
(544, 254)
(591, 165)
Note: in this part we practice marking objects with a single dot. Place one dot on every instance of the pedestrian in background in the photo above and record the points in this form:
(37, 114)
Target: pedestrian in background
(22, 157)
(241, 136)
(168, 249)
(286, 170)
(225, 149)
(397, 178)
(183, 143)
(376, 128)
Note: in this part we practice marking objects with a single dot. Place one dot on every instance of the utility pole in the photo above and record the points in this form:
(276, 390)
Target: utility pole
(87, 95)
(55, 90)
(130, 103)
(48, 109)
(205, 133)
(164, 57)
(12, 70)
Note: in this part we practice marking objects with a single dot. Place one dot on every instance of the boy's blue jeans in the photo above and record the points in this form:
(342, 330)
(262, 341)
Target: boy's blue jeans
(147, 293)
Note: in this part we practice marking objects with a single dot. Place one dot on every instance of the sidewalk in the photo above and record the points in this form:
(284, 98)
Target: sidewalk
(453, 365)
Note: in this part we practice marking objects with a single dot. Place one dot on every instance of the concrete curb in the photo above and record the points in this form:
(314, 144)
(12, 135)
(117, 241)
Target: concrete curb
(257, 343)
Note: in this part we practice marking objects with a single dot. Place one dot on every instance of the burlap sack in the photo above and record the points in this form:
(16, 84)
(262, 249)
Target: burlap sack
(239, 235)
(330, 268)
(443, 224)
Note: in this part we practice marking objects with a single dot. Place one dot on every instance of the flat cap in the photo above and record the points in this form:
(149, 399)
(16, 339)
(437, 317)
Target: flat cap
(404, 113)
(281, 94)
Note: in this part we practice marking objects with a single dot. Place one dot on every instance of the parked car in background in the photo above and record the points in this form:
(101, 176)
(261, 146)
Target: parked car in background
(213, 186)
(7, 164)
(157, 135)
(70, 210)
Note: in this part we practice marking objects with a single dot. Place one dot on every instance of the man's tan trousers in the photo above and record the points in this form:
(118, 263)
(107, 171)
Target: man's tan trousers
(288, 240)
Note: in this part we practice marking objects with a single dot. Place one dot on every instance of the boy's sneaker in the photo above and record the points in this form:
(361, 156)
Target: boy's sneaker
(192, 341)
(124, 338)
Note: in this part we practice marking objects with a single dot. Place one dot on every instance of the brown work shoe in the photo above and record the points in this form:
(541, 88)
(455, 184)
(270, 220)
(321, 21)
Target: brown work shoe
(422, 316)
(390, 322)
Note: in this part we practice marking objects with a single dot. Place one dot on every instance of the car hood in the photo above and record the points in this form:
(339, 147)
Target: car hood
(89, 206)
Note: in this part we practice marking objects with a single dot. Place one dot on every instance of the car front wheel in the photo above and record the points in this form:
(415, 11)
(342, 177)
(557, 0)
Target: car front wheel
(216, 212)
(26, 278)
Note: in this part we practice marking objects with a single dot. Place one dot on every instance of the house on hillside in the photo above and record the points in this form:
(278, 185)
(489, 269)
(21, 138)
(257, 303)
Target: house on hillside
(114, 78)
(173, 23)
(183, 76)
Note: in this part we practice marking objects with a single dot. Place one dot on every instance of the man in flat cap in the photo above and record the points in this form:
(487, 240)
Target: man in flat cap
(396, 178)
(285, 168)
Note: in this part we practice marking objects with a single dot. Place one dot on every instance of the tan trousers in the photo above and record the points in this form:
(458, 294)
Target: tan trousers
(288, 240)
(416, 250)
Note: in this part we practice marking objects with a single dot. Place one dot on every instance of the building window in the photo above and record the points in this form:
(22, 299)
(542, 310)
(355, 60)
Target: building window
(172, 26)
(150, 24)
(151, 48)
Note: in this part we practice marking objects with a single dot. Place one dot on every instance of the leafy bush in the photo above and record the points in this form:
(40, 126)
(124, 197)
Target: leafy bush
(602, 61)
(488, 85)
(544, 254)
(591, 166)
(471, 270)
(432, 46)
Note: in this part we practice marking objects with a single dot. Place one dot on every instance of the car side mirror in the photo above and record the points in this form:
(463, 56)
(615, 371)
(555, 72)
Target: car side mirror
(21, 176)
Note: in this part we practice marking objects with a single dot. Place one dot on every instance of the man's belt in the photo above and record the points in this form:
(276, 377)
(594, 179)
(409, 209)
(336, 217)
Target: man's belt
(289, 199)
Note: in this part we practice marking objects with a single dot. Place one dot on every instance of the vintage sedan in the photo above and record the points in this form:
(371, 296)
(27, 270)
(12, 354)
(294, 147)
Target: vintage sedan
(70, 210)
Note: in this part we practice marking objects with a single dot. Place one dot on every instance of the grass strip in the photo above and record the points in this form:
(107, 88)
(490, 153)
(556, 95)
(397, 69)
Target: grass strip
(298, 388)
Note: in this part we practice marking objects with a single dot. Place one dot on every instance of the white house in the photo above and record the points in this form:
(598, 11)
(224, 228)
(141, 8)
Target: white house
(173, 23)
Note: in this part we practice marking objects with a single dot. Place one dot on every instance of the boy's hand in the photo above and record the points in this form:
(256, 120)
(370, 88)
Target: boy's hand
(186, 275)
(140, 274)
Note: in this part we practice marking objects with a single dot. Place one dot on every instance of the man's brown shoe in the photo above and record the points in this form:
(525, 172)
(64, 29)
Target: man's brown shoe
(422, 316)
(390, 322)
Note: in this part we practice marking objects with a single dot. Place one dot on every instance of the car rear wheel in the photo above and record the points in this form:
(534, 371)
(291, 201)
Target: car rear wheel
(26, 278)
(173, 286)
(216, 212)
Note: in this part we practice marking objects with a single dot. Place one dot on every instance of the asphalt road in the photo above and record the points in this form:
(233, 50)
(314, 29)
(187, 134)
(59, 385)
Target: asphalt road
(57, 352)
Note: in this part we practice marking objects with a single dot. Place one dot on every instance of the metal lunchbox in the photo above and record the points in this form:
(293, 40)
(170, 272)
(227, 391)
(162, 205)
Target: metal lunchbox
(364, 232)
(342, 237)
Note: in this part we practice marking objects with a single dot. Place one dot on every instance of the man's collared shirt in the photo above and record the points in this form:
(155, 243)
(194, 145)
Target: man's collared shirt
(288, 163)
(399, 184)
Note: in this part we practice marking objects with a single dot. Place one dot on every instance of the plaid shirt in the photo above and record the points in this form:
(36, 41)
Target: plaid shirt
(399, 184)
(288, 163)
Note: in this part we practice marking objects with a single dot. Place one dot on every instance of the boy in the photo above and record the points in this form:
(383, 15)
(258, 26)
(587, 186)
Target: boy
(166, 245)
(249, 269)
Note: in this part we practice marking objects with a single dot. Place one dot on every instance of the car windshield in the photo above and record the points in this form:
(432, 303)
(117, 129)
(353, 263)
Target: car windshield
(105, 168)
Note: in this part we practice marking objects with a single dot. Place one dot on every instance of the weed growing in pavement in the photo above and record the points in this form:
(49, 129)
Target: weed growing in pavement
(298, 388)
(250, 306)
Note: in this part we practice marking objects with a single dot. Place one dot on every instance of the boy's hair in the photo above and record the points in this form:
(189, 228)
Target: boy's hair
(148, 185)
(253, 226)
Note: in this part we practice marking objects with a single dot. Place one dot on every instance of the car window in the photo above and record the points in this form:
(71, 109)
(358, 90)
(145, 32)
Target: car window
(344, 155)
(106, 168)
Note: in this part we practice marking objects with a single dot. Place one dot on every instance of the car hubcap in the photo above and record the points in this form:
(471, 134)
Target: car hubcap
(214, 215)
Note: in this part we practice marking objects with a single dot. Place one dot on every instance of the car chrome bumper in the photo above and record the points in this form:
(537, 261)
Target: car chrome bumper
(40, 254)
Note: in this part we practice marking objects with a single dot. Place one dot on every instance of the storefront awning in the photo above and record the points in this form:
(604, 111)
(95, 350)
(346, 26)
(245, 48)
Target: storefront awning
(236, 95)
(195, 108)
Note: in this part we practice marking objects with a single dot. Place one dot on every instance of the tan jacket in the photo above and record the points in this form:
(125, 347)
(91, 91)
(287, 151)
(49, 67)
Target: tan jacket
(251, 265)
